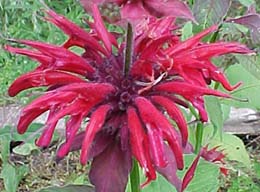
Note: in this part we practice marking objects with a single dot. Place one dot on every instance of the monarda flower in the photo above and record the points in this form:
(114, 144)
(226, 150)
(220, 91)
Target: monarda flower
(131, 111)
(133, 10)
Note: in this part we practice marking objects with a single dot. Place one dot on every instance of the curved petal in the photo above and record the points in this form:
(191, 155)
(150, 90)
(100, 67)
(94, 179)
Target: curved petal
(40, 78)
(101, 30)
(175, 114)
(156, 120)
(72, 127)
(189, 43)
(96, 122)
(77, 35)
(41, 105)
(139, 144)
(206, 51)
(187, 90)
(61, 58)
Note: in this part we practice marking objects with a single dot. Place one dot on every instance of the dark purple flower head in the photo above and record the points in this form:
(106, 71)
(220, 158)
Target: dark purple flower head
(125, 112)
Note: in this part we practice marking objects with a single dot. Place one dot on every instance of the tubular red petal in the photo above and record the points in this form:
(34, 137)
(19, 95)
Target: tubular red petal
(101, 29)
(139, 144)
(175, 114)
(188, 90)
(80, 36)
(41, 78)
(72, 127)
(62, 58)
(45, 138)
(152, 48)
(32, 54)
(27, 116)
(96, 91)
(207, 51)
(96, 122)
(191, 42)
(156, 146)
(41, 105)
(220, 77)
(155, 119)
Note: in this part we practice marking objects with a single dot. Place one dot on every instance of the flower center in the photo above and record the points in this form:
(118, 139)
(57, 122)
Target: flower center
(112, 72)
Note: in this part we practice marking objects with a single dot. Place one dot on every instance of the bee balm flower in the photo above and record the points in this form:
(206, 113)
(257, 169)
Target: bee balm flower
(138, 9)
(125, 111)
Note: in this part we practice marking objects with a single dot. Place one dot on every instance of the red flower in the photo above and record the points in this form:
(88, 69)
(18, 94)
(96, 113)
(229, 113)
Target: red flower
(125, 112)
(133, 10)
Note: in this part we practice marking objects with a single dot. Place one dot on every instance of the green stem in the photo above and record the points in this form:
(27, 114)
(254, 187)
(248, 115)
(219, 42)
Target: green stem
(199, 136)
(199, 130)
(213, 38)
(129, 48)
(135, 178)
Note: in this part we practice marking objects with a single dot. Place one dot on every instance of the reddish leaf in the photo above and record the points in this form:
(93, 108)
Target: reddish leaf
(110, 169)
(252, 21)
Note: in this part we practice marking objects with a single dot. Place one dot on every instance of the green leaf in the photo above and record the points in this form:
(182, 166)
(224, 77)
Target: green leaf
(257, 169)
(247, 3)
(250, 88)
(9, 134)
(187, 31)
(12, 176)
(25, 149)
(233, 147)
(69, 188)
(80, 180)
(251, 64)
(215, 113)
(205, 179)
(210, 12)
(4, 150)
(206, 176)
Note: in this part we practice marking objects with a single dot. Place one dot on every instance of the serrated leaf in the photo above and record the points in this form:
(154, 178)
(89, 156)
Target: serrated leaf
(69, 188)
(215, 113)
(210, 12)
(250, 88)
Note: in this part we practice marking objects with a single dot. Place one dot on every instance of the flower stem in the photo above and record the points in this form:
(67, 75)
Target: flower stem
(199, 136)
(135, 178)
(199, 130)
(129, 48)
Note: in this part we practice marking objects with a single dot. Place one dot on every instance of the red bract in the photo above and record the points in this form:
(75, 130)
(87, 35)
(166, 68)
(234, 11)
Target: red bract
(138, 9)
(125, 112)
